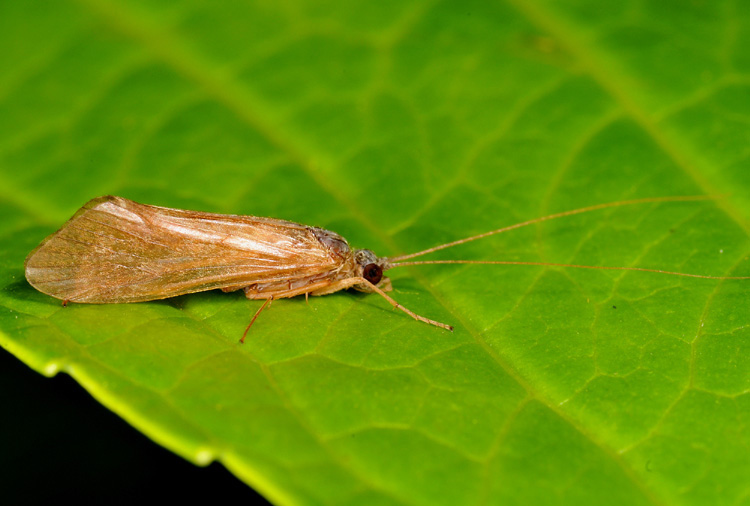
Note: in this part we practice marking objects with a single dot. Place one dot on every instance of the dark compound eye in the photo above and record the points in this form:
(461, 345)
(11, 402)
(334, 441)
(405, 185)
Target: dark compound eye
(372, 273)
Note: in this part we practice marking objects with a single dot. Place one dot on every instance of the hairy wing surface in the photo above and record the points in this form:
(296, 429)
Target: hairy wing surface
(116, 250)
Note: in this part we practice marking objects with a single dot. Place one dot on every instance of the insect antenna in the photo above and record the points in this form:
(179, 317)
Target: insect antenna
(552, 264)
(393, 260)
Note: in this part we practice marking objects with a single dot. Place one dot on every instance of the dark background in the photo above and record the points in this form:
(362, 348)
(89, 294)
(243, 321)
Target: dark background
(58, 444)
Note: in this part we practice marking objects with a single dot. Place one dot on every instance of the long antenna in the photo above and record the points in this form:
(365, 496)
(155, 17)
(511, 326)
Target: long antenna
(501, 262)
(552, 217)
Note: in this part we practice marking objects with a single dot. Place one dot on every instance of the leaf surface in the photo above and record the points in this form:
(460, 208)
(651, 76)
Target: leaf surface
(401, 125)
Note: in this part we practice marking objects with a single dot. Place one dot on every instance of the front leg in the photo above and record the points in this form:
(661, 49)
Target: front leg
(387, 286)
(349, 282)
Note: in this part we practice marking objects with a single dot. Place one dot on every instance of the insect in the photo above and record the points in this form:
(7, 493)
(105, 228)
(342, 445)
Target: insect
(114, 250)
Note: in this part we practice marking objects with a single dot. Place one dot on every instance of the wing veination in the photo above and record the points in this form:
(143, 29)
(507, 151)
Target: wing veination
(116, 250)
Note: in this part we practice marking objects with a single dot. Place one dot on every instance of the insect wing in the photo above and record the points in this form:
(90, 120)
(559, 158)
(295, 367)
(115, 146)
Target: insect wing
(116, 250)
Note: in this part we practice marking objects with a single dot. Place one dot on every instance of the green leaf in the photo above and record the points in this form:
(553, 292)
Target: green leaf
(402, 125)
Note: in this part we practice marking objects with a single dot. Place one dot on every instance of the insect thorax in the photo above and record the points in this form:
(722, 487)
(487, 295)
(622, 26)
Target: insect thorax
(353, 263)
(333, 241)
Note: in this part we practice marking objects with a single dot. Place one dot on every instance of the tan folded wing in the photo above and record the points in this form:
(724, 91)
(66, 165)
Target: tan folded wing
(116, 250)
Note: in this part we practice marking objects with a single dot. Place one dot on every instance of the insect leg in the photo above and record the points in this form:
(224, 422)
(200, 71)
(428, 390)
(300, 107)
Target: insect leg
(279, 295)
(266, 303)
(326, 287)
(349, 282)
